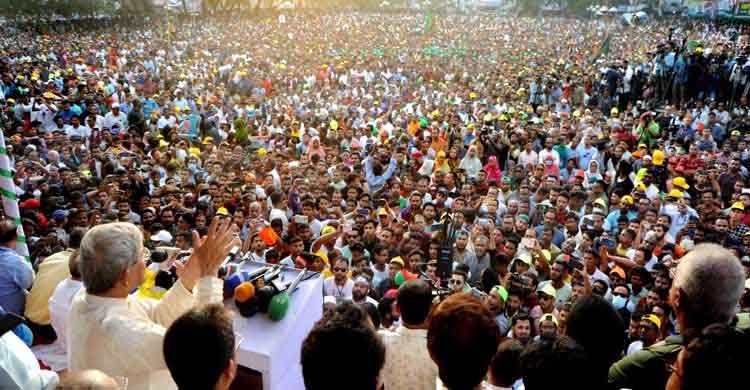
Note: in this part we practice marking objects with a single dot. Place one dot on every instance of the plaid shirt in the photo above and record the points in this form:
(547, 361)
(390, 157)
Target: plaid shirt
(735, 235)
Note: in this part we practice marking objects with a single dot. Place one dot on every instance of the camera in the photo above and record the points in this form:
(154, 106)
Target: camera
(521, 282)
(606, 242)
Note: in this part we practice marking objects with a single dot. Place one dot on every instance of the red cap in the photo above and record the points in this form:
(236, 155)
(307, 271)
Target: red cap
(30, 204)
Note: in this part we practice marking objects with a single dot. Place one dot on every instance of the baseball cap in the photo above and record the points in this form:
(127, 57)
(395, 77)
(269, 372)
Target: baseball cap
(500, 291)
(618, 271)
(738, 206)
(162, 236)
(548, 290)
(653, 319)
(680, 182)
(222, 211)
(628, 200)
(398, 260)
(674, 194)
(59, 215)
(525, 257)
(549, 317)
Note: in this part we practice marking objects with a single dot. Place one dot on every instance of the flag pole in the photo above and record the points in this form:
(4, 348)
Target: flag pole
(10, 200)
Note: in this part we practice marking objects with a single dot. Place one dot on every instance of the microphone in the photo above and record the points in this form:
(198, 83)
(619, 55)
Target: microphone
(263, 282)
(279, 305)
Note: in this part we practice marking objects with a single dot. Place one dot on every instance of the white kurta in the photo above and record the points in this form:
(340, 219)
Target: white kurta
(55, 355)
(124, 337)
(19, 369)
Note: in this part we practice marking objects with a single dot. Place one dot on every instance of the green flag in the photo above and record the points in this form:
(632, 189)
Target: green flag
(429, 21)
(603, 50)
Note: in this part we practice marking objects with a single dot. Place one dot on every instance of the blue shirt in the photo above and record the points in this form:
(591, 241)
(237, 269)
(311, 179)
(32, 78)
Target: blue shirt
(15, 279)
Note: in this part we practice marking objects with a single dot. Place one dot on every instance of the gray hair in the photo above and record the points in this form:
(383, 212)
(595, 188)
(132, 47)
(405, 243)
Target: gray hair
(712, 279)
(106, 251)
(483, 239)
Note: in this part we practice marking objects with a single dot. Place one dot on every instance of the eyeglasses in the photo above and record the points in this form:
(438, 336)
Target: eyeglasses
(456, 281)
(337, 269)
(544, 297)
(620, 294)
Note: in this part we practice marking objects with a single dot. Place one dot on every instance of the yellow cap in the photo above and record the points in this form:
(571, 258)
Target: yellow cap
(738, 206)
(680, 182)
(658, 157)
(675, 194)
(222, 211)
(652, 318)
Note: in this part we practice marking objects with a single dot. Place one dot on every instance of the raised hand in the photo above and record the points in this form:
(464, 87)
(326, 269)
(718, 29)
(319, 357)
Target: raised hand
(208, 252)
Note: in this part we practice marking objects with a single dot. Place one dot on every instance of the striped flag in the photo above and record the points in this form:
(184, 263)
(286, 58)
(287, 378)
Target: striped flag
(10, 200)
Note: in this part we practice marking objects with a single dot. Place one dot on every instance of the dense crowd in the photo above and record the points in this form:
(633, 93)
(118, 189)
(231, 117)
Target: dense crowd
(575, 170)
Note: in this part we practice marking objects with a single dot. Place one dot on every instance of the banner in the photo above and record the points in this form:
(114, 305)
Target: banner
(10, 199)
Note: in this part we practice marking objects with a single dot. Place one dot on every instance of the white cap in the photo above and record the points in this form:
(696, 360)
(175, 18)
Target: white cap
(162, 236)
(115, 105)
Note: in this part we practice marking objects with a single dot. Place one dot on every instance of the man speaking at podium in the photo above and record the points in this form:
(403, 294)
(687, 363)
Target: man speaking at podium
(121, 334)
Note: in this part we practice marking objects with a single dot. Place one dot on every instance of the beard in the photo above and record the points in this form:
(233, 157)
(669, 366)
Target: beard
(358, 295)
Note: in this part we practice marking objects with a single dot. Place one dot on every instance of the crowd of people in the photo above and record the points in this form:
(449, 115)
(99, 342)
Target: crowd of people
(585, 182)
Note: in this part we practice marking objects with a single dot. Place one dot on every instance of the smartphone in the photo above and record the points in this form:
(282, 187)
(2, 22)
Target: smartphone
(575, 264)
(528, 242)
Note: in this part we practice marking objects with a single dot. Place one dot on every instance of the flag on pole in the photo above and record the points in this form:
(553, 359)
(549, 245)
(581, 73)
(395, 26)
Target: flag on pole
(429, 21)
(10, 199)
(603, 49)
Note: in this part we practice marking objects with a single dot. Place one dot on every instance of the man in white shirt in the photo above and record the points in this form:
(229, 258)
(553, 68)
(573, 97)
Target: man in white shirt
(55, 355)
(115, 118)
(277, 201)
(339, 285)
(120, 334)
(361, 291)
(75, 129)
(407, 361)
(19, 369)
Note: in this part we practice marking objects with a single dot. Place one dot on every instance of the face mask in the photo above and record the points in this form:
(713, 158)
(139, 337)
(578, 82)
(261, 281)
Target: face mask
(192, 166)
(619, 302)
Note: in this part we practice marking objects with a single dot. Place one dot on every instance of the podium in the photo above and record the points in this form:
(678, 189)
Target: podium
(273, 348)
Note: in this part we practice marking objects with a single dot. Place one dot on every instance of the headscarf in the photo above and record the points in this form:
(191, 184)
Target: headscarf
(493, 169)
